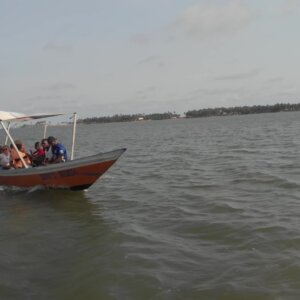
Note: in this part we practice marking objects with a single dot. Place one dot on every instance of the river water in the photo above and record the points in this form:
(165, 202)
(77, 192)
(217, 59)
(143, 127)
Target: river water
(194, 209)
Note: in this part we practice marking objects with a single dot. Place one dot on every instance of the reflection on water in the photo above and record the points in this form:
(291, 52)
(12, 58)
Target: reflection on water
(50, 241)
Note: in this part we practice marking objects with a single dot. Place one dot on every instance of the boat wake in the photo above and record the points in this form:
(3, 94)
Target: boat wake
(15, 189)
(29, 190)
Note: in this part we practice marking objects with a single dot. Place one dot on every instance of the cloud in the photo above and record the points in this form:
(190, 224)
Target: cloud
(140, 39)
(61, 86)
(146, 93)
(58, 48)
(149, 59)
(289, 7)
(52, 103)
(211, 19)
(275, 80)
(214, 92)
(155, 60)
(245, 75)
(202, 21)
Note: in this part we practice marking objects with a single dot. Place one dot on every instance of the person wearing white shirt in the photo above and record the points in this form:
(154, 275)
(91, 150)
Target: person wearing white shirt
(5, 159)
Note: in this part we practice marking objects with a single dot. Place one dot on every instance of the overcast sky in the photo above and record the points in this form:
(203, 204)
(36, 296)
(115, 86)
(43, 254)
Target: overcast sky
(103, 57)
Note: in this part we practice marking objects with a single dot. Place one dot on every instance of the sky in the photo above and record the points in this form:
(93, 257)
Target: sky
(106, 57)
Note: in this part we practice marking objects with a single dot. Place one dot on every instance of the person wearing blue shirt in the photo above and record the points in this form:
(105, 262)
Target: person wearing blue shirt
(59, 151)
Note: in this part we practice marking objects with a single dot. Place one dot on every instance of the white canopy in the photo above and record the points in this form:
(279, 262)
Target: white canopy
(13, 116)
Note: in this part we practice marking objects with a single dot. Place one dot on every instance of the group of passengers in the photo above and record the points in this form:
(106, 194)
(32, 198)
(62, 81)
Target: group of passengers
(48, 151)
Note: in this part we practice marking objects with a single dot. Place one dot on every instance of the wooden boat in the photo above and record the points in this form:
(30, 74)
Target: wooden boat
(77, 174)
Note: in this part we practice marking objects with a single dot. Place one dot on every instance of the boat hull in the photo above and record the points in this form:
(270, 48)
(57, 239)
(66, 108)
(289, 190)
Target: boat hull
(77, 174)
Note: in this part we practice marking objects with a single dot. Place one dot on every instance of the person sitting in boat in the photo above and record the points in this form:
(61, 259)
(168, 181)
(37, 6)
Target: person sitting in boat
(38, 156)
(58, 150)
(5, 158)
(48, 151)
(15, 155)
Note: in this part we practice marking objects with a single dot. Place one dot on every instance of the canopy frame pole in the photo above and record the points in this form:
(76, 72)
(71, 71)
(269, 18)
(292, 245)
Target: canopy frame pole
(74, 133)
(13, 143)
(6, 138)
(45, 129)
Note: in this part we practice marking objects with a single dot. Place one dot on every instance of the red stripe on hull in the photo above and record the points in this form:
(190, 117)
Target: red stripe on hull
(70, 178)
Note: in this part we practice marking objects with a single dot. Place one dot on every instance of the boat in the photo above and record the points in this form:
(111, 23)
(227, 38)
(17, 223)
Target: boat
(74, 174)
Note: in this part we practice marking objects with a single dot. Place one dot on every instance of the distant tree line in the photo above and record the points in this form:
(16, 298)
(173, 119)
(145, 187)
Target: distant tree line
(129, 118)
(206, 112)
(242, 110)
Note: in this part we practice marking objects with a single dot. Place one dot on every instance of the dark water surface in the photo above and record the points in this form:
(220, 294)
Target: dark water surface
(195, 209)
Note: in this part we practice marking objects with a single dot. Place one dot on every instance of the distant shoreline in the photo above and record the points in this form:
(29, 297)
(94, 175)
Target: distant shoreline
(242, 110)
(201, 113)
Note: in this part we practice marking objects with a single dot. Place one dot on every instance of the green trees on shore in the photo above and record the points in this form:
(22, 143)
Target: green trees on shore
(242, 110)
(200, 113)
(128, 118)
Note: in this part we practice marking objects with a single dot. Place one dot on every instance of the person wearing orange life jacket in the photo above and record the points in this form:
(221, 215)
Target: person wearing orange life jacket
(16, 161)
